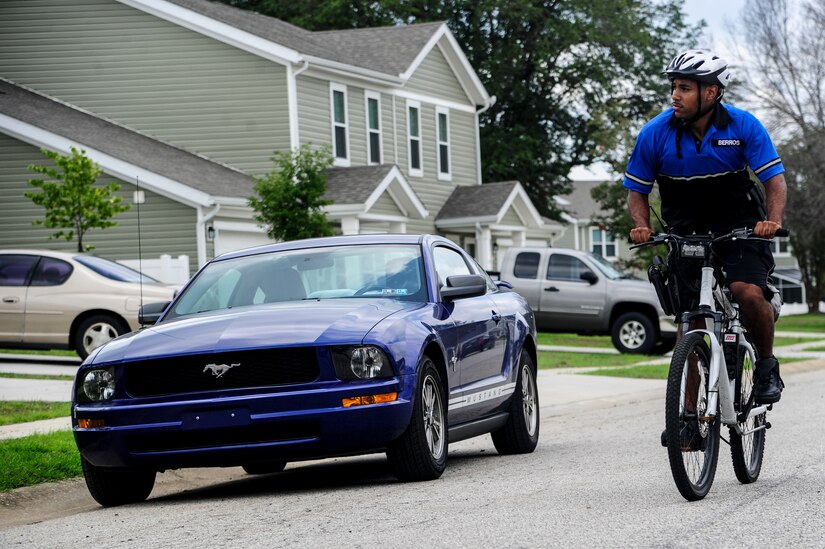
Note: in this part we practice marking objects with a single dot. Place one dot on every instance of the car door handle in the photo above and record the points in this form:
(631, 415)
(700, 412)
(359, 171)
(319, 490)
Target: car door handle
(551, 289)
(11, 299)
(496, 317)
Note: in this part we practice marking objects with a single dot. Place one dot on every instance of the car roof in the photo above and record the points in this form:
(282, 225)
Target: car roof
(47, 253)
(349, 240)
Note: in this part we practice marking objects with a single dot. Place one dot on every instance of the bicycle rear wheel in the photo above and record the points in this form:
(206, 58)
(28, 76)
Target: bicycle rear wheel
(692, 437)
(746, 450)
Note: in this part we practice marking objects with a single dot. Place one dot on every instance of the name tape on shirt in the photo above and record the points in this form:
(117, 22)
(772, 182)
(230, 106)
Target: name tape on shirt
(728, 142)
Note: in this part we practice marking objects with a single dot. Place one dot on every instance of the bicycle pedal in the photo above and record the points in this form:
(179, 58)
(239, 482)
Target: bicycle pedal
(767, 425)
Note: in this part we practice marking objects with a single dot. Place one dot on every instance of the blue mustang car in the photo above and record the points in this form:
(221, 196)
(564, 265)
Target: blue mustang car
(310, 349)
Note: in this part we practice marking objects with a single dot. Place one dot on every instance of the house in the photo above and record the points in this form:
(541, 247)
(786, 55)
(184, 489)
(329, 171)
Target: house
(182, 102)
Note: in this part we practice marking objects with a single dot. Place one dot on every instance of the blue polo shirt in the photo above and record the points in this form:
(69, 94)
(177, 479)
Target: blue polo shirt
(705, 185)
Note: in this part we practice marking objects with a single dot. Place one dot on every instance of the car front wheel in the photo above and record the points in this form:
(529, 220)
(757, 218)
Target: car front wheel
(111, 487)
(95, 331)
(421, 452)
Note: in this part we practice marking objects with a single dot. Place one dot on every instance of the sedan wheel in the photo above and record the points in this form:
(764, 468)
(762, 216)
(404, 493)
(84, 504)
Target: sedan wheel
(421, 452)
(95, 331)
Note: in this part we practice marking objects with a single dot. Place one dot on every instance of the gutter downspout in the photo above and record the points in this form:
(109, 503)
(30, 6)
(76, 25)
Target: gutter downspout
(482, 110)
(292, 101)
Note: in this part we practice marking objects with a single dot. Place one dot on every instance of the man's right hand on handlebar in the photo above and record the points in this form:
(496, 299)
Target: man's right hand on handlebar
(640, 235)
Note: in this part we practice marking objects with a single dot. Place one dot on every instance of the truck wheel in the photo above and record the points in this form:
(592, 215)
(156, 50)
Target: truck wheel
(633, 332)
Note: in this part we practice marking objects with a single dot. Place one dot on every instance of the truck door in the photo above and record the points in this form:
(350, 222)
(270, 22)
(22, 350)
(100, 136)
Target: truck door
(566, 298)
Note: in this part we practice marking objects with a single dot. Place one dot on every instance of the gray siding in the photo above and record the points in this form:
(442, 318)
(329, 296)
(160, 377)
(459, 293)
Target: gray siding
(167, 227)
(149, 74)
(385, 205)
(435, 77)
(314, 113)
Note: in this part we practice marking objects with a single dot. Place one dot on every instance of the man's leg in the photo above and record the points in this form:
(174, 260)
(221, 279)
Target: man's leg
(757, 317)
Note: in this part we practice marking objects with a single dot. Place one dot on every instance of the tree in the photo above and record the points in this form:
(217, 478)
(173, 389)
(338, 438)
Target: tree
(290, 197)
(71, 199)
(569, 75)
(785, 75)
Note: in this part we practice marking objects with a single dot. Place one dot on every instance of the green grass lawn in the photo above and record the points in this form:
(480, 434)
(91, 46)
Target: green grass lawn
(641, 371)
(574, 340)
(38, 458)
(35, 376)
(48, 352)
(14, 411)
(783, 341)
(811, 322)
(553, 359)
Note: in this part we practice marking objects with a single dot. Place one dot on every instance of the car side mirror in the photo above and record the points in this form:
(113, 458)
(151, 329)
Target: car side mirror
(150, 313)
(589, 276)
(462, 286)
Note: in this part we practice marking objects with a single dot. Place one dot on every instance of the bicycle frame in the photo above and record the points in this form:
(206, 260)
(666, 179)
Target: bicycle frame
(721, 387)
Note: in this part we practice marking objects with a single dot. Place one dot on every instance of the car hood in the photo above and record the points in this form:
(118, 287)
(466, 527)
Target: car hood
(321, 322)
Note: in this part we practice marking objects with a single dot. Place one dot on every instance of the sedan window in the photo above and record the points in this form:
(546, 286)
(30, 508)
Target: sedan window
(51, 272)
(112, 270)
(15, 269)
(449, 262)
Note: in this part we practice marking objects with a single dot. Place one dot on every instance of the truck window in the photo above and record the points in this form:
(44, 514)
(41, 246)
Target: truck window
(527, 265)
(565, 267)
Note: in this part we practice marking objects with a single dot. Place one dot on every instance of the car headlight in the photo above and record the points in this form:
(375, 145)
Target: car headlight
(97, 385)
(361, 362)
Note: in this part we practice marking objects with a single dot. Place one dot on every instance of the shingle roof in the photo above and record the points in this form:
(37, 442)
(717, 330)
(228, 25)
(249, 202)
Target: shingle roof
(476, 200)
(389, 50)
(123, 143)
(354, 185)
(582, 205)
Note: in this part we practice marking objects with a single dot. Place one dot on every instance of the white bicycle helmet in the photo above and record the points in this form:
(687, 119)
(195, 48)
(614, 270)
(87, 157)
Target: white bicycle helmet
(700, 65)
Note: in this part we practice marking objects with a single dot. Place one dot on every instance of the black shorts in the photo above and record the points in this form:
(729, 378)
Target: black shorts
(742, 261)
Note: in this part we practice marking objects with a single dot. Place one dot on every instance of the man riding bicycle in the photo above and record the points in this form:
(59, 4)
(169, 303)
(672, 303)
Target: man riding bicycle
(698, 152)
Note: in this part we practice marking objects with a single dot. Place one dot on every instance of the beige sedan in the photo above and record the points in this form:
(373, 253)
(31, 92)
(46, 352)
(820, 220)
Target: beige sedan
(56, 300)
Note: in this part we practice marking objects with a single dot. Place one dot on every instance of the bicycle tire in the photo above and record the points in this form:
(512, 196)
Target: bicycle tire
(746, 451)
(693, 470)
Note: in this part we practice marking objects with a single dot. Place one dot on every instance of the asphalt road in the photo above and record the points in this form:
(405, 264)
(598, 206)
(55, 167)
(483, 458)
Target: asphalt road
(598, 478)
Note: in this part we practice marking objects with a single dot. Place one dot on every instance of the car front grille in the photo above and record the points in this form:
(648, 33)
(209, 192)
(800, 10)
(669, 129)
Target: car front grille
(219, 371)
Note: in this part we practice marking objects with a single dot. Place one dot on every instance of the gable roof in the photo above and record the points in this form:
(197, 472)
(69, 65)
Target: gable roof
(579, 204)
(122, 152)
(389, 54)
(487, 203)
(355, 190)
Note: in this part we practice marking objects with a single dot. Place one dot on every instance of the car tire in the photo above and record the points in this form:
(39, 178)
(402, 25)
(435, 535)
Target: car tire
(95, 331)
(111, 487)
(264, 467)
(665, 345)
(421, 452)
(634, 332)
(520, 434)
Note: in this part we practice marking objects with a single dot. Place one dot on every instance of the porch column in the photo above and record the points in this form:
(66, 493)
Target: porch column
(350, 225)
(519, 239)
(484, 248)
(398, 228)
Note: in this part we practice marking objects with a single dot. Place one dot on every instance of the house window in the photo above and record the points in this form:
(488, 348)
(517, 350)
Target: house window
(340, 124)
(781, 246)
(373, 127)
(414, 137)
(442, 119)
(603, 243)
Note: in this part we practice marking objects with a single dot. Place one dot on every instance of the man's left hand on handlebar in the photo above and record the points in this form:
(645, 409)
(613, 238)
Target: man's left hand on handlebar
(766, 229)
(640, 235)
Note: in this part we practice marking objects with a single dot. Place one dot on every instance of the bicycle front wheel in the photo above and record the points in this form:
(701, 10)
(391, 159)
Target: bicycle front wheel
(692, 436)
(746, 450)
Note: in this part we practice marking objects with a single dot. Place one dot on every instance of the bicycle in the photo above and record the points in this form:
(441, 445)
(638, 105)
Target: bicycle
(699, 398)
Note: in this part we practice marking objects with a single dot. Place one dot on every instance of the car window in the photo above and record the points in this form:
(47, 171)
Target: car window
(527, 265)
(449, 262)
(565, 267)
(363, 271)
(15, 269)
(51, 272)
(112, 270)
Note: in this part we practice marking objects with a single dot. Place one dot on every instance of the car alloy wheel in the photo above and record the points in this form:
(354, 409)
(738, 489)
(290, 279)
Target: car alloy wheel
(434, 427)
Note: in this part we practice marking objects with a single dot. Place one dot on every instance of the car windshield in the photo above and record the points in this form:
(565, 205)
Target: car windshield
(364, 271)
(607, 267)
(112, 270)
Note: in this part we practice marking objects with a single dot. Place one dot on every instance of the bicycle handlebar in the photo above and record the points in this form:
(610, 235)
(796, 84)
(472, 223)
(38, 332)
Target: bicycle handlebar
(743, 233)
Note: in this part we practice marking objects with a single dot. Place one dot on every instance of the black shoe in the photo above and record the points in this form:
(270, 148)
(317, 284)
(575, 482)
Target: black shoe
(767, 385)
(690, 438)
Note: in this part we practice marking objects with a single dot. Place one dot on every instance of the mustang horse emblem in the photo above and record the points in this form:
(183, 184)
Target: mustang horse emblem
(219, 369)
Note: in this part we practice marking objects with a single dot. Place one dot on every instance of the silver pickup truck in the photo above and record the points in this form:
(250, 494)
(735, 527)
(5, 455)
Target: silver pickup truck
(574, 291)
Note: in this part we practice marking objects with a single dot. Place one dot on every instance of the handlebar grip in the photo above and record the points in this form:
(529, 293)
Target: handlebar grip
(782, 232)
